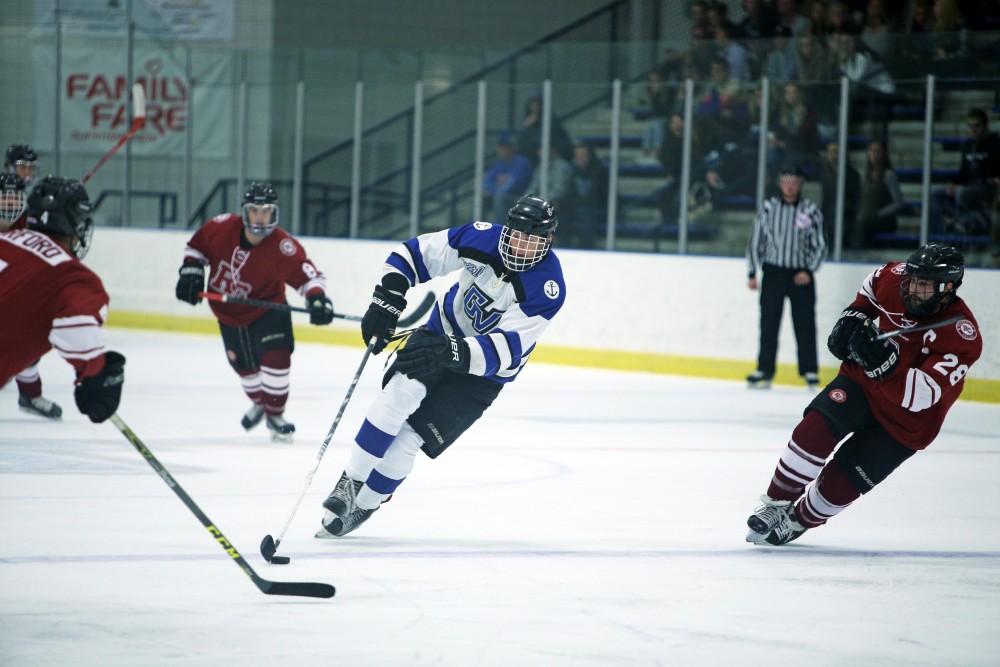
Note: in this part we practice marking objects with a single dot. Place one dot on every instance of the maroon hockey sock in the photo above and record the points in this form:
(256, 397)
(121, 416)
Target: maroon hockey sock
(803, 458)
(250, 380)
(275, 367)
(829, 496)
(29, 383)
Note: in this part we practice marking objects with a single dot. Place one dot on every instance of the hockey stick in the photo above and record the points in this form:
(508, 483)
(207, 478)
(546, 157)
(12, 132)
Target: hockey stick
(269, 545)
(246, 301)
(138, 122)
(429, 299)
(305, 589)
(919, 327)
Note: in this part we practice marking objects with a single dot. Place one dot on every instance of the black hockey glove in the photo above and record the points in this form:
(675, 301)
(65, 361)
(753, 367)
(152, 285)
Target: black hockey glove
(383, 313)
(850, 321)
(320, 308)
(98, 396)
(427, 353)
(191, 281)
(877, 357)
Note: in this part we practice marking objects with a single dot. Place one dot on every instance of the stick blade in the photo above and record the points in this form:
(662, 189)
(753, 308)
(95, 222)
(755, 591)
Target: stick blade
(295, 588)
(267, 548)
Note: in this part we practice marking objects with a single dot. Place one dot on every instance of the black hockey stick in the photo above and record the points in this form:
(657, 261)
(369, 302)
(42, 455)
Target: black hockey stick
(429, 299)
(919, 327)
(305, 589)
(269, 545)
(271, 305)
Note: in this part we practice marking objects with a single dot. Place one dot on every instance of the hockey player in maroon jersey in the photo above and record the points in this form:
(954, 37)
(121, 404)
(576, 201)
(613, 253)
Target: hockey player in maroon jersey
(250, 256)
(52, 300)
(22, 160)
(14, 215)
(892, 394)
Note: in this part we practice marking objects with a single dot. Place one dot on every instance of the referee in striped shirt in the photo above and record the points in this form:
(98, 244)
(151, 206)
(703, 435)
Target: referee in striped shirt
(786, 248)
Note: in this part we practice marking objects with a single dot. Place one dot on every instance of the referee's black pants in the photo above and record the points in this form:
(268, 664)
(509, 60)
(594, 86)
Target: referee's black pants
(776, 283)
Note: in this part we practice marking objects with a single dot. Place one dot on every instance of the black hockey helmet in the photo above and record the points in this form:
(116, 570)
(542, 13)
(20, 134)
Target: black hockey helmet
(61, 207)
(535, 220)
(939, 263)
(22, 160)
(12, 199)
(260, 199)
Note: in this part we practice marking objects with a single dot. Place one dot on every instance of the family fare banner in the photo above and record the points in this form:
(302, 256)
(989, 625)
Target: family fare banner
(94, 99)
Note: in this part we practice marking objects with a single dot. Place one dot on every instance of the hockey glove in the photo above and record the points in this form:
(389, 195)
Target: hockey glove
(98, 396)
(320, 308)
(427, 353)
(850, 321)
(383, 313)
(191, 281)
(877, 358)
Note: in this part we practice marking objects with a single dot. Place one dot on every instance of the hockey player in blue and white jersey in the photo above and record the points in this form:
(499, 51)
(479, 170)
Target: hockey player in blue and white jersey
(478, 339)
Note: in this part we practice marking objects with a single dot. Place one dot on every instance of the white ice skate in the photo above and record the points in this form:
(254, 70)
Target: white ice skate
(281, 429)
(40, 406)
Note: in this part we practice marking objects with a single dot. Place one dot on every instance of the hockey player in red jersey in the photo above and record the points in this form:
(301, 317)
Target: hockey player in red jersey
(14, 215)
(53, 300)
(248, 255)
(892, 395)
(22, 160)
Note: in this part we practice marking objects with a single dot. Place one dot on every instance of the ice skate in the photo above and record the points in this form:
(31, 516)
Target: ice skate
(40, 406)
(341, 500)
(253, 416)
(281, 429)
(757, 380)
(787, 529)
(766, 517)
(335, 526)
(811, 380)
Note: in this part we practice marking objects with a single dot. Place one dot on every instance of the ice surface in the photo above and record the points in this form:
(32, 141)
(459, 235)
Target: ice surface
(591, 517)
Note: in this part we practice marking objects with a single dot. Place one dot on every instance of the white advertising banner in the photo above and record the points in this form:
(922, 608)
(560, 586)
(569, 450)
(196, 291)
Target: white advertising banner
(94, 98)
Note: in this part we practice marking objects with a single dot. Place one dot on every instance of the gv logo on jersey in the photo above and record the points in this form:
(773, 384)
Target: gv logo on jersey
(476, 306)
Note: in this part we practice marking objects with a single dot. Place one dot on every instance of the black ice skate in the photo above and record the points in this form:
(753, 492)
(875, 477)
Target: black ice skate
(253, 416)
(40, 406)
(281, 429)
(341, 500)
(757, 380)
(335, 526)
(766, 517)
(788, 529)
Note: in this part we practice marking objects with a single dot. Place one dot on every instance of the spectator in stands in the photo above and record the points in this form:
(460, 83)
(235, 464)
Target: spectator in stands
(506, 179)
(586, 205)
(876, 88)
(828, 193)
(789, 16)
(914, 57)
(948, 38)
(758, 21)
(811, 61)
(956, 206)
(780, 62)
(877, 34)
(736, 56)
(699, 13)
(819, 21)
(720, 107)
(718, 17)
(560, 177)
(672, 158)
(919, 19)
(840, 20)
(794, 137)
(658, 103)
(881, 197)
(529, 136)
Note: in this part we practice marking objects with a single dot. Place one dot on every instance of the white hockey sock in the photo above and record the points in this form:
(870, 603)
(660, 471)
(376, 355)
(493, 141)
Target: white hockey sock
(391, 470)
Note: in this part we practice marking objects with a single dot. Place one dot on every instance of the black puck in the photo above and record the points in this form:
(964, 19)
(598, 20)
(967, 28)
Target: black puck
(280, 560)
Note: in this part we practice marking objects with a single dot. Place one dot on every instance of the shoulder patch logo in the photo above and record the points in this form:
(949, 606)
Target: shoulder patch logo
(966, 329)
(482, 226)
(899, 268)
(837, 395)
(551, 289)
(287, 247)
(222, 217)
